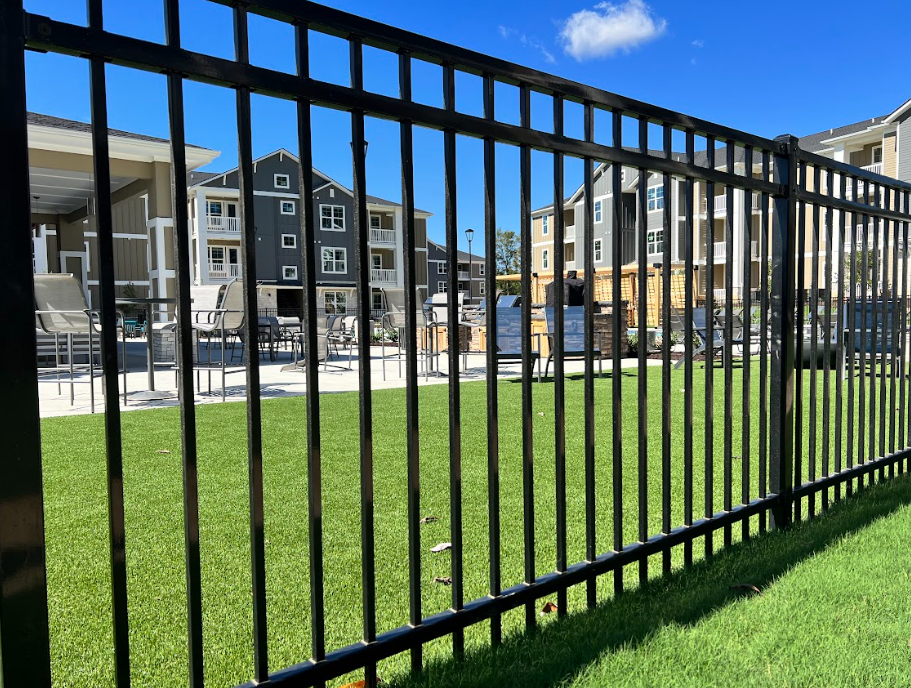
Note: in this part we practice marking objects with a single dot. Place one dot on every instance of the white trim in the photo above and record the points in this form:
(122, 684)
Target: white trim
(595, 210)
(545, 259)
(648, 200)
(117, 235)
(286, 177)
(598, 247)
(281, 207)
(122, 283)
(293, 236)
(285, 268)
(277, 194)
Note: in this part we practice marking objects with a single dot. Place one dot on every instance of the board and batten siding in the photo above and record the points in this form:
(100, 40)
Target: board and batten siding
(904, 151)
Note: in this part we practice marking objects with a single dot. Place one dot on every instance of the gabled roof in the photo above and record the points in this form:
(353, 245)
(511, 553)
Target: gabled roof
(898, 112)
(463, 256)
(814, 143)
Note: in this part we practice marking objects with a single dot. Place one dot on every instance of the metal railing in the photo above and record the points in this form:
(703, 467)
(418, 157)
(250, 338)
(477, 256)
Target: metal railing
(721, 250)
(224, 270)
(791, 471)
(383, 276)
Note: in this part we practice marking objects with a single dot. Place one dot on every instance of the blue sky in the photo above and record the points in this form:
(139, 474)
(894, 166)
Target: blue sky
(769, 68)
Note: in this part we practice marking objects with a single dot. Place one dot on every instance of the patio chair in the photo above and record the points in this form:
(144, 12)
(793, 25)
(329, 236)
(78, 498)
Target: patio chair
(439, 317)
(61, 309)
(395, 318)
(700, 330)
(573, 336)
(220, 323)
(509, 339)
(298, 353)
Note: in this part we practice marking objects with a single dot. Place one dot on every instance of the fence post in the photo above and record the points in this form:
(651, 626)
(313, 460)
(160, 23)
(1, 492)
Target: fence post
(781, 425)
(24, 645)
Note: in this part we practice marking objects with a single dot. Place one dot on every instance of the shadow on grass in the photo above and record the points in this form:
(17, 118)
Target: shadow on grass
(562, 648)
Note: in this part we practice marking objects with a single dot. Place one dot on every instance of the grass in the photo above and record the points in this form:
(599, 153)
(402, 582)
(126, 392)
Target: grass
(76, 509)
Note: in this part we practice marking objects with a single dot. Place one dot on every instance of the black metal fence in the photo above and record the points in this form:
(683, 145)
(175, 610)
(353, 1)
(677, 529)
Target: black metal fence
(810, 208)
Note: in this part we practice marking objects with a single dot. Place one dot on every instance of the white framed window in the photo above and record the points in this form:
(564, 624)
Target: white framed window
(441, 268)
(545, 259)
(442, 287)
(214, 208)
(622, 175)
(599, 211)
(599, 253)
(655, 240)
(282, 181)
(335, 302)
(481, 269)
(332, 218)
(335, 260)
(655, 198)
(482, 290)
(289, 241)
(877, 154)
(289, 272)
(545, 225)
(376, 260)
(375, 222)
(377, 300)
(288, 208)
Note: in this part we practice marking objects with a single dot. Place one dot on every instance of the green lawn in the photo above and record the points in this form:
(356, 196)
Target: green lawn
(77, 531)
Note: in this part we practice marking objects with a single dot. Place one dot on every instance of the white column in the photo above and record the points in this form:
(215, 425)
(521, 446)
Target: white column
(735, 262)
(399, 249)
(202, 239)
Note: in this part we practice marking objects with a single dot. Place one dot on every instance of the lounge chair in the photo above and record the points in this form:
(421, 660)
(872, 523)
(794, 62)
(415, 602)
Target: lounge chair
(573, 336)
(509, 339)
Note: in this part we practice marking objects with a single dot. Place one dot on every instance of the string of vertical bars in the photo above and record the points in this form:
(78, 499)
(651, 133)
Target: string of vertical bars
(873, 210)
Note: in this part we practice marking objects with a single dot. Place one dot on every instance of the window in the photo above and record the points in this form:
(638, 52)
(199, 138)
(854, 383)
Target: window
(598, 211)
(655, 198)
(482, 291)
(289, 241)
(289, 272)
(288, 208)
(545, 259)
(655, 241)
(378, 301)
(332, 217)
(462, 288)
(216, 254)
(335, 259)
(376, 261)
(282, 181)
(441, 287)
(546, 224)
(481, 268)
(599, 256)
(213, 208)
(441, 268)
(335, 302)
(375, 222)
(877, 155)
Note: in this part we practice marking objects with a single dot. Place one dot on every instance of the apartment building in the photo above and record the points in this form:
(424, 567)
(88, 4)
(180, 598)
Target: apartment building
(64, 206)
(471, 273)
(216, 234)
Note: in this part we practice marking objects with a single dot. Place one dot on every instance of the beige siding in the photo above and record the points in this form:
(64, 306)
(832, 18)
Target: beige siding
(420, 232)
(129, 216)
(890, 168)
(420, 269)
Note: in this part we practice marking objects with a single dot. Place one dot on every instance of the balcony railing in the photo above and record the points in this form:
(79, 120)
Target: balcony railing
(382, 236)
(464, 275)
(224, 270)
(721, 250)
(218, 223)
(382, 276)
(569, 233)
(875, 168)
(721, 204)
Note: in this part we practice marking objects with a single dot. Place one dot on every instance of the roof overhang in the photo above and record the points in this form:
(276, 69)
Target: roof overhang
(871, 134)
(899, 112)
(122, 148)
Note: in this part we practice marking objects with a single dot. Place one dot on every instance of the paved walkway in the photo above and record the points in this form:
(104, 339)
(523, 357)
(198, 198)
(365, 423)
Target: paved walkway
(274, 382)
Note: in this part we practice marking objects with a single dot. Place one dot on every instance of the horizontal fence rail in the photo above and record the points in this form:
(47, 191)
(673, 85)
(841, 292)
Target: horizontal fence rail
(791, 329)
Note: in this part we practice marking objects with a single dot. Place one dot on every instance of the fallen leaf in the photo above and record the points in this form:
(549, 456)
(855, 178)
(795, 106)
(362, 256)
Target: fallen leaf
(442, 580)
(429, 519)
(442, 547)
(541, 413)
(164, 451)
(548, 608)
(360, 684)
(749, 587)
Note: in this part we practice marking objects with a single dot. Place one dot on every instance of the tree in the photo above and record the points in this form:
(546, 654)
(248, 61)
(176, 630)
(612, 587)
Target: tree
(507, 258)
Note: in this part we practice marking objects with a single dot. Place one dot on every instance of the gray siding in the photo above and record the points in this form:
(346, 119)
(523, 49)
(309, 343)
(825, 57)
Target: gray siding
(904, 151)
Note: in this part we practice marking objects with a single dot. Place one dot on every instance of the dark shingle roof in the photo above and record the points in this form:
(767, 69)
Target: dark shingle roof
(40, 120)
(462, 255)
(376, 200)
(200, 177)
(813, 142)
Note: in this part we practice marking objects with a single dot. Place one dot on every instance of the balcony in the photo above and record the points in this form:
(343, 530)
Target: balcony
(382, 276)
(875, 168)
(382, 236)
(721, 204)
(224, 270)
(721, 250)
(218, 223)
(569, 233)
(464, 275)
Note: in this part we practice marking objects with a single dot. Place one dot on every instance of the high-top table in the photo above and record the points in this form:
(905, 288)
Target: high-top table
(149, 310)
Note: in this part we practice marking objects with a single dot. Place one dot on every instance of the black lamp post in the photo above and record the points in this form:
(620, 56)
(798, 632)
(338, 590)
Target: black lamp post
(469, 234)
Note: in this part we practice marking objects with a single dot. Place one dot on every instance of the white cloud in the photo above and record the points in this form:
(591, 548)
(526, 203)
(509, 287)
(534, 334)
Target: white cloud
(608, 28)
(698, 43)
(533, 42)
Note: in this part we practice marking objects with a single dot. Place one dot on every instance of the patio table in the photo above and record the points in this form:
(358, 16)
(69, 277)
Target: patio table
(148, 305)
